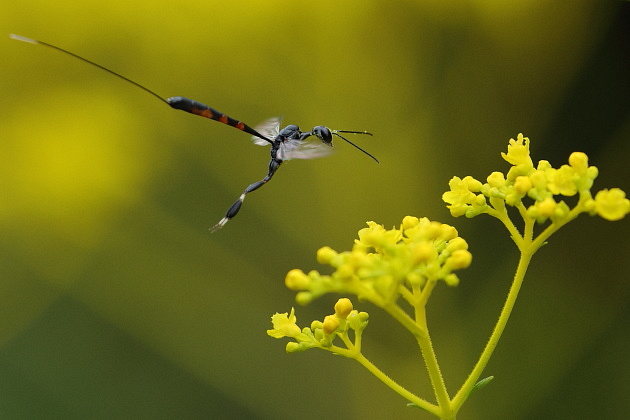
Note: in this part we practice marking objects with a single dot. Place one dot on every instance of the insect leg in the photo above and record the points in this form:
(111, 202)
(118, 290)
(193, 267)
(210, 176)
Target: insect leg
(233, 210)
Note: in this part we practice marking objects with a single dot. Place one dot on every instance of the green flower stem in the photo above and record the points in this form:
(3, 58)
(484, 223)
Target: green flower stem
(404, 319)
(428, 353)
(528, 245)
(419, 329)
(527, 251)
(522, 210)
(528, 229)
(346, 340)
(528, 235)
(425, 295)
(354, 352)
(435, 375)
(507, 222)
(408, 295)
(409, 396)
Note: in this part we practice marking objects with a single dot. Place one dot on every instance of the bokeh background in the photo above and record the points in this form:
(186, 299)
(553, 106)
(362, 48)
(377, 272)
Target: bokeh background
(117, 302)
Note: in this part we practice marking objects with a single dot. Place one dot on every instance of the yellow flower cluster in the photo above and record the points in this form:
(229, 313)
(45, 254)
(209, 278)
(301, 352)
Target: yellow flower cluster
(321, 333)
(387, 263)
(542, 184)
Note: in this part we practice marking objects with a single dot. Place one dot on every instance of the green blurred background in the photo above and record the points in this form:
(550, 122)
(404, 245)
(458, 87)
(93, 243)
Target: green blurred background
(116, 302)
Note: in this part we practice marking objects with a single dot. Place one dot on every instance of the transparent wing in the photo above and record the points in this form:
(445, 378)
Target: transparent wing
(269, 128)
(303, 149)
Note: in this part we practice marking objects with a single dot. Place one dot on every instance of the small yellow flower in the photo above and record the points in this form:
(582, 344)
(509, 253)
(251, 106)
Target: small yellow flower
(522, 185)
(612, 204)
(424, 252)
(538, 180)
(343, 307)
(409, 222)
(325, 255)
(296, 280)
(462, 199)
(496, 179)
(472, 184)
(446, 232)
(358, 320)
(546, 207)
(293, 347)
(451, 280)
(459, 259)
(345, 272)
(518, 152)
(561, 211)
(376, 236)
(562, 181)
(284, 325)
(543, 165)
(330, 325)
(579, 162)
(456, 244)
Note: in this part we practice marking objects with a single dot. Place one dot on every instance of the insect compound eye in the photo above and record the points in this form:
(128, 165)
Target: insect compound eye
(291, 131)
(323, 133)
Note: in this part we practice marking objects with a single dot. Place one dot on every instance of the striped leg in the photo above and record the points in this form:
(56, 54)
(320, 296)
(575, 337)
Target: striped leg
(233, 210)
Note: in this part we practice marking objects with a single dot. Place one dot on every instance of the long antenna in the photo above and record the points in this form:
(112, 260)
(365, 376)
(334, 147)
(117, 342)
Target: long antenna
(336, 133)
(34, 41)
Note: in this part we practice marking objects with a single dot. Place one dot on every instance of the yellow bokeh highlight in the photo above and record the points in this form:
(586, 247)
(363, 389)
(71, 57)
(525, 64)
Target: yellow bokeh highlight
(73, 166)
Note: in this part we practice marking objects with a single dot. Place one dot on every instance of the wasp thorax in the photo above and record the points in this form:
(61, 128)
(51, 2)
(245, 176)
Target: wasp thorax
(291, 131)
